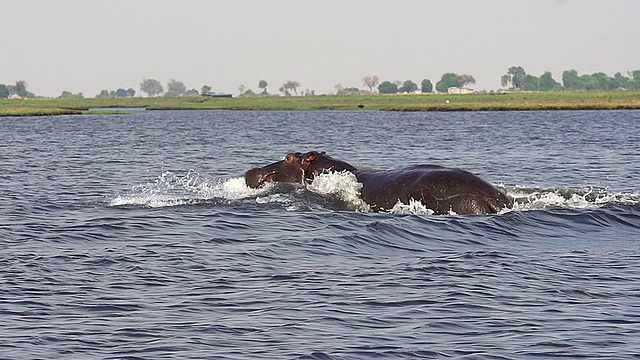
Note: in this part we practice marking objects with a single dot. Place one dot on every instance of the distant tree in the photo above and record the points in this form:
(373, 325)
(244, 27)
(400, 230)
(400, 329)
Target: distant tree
(284, 91)
(292, 85)
(176, 87)
(466, 79)
(205, 89)
(546, 82)
(634, 82)
(588, 82)
(515, 75)
(605, 82)
(505, 80)
(348, 91)
(426, 86)
(121, 93)
(131, 92)
(20, 88)
(192, 92)
(621, 81)
(262, 84)
(152, 87)
(571, 80)
(247, 93)
(446, 81)
(4, 91)
(241, 89)
(453, 80)
(371, 82)
(65, 95)
(408, 87)
(530, 83)
(104, 94)
(69, 95)
(387, 87)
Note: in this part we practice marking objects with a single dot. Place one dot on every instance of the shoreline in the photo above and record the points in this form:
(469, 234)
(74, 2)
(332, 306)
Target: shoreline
(509, 101)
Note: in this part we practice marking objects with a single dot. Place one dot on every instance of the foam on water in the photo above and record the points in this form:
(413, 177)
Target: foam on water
(567, 198)
(413, 208)
(342, 185)
(170, 189)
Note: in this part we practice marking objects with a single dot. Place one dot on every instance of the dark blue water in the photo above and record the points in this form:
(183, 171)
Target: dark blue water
(134, 237)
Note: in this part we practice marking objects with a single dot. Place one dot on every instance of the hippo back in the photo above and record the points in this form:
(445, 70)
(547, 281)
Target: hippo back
(440, 189)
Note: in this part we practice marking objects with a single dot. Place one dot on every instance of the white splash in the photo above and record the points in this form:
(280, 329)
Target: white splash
(170, 189)
(413, 208)
(342, 185)
(567, 198)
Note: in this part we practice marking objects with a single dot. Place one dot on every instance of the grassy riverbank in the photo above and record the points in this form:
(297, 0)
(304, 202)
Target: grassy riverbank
(577, 100)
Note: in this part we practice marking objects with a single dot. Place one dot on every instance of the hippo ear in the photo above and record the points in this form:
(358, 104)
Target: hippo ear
(311, 156)
(308, 159)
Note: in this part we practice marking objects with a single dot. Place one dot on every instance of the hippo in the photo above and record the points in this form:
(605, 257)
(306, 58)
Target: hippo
(441, 189)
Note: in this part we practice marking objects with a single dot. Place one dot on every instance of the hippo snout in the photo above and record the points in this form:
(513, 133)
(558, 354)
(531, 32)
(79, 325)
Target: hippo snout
(252, 178)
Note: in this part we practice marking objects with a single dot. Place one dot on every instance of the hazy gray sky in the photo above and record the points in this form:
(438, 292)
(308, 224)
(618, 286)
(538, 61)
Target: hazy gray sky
(90, 45)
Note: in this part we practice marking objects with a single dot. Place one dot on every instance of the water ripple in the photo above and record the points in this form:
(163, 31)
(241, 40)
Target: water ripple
(134, 237)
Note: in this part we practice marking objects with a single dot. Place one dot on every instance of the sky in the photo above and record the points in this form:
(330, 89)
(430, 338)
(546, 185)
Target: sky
(90, 45)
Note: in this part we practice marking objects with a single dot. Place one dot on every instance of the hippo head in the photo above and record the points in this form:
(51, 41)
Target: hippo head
(295, 168)
(287, 170)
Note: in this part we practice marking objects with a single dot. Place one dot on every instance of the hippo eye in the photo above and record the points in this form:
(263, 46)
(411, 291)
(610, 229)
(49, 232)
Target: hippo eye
(288, 159)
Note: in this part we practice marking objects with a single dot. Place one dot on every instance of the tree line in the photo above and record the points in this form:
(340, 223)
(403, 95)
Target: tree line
(447, 81)
(516, 78)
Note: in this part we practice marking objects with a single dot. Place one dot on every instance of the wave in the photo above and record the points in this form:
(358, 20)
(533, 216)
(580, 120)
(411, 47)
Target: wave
(338, 191)
(567, 198)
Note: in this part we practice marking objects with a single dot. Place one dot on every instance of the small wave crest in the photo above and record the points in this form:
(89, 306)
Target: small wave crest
(567, 198)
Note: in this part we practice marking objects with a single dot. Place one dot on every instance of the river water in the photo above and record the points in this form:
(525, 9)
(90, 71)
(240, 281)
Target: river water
(133, 237)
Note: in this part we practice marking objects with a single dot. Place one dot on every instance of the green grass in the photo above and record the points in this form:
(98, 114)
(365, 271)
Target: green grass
(416, 102)
(10, 110)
